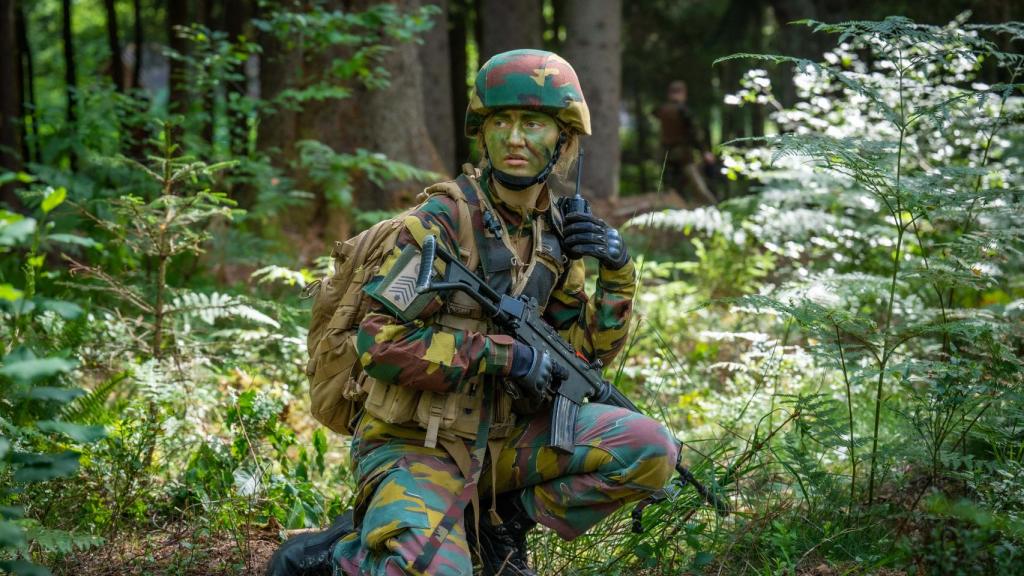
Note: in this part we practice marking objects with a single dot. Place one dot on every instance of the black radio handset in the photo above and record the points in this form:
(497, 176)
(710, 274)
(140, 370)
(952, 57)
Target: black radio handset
(577, 203)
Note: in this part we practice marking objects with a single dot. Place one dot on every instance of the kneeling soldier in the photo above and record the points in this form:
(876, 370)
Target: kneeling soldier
(441, 375)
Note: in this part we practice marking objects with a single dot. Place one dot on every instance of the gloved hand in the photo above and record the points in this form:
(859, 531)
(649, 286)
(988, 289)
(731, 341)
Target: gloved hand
(532, 371)
(587, 235)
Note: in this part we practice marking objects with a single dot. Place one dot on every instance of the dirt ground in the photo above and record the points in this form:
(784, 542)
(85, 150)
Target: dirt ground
(184, 551)
(188, 552)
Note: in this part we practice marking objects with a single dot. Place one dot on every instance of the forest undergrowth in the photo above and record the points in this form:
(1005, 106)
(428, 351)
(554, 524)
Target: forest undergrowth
(840, 350)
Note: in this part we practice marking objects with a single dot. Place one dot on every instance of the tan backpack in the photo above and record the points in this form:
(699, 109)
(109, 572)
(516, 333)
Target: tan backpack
(336, 377)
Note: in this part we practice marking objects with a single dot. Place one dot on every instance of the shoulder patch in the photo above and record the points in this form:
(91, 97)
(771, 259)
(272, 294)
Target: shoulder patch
(397, 289)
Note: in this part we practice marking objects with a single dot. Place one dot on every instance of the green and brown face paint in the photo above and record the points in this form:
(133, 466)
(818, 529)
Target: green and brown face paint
(520, 142)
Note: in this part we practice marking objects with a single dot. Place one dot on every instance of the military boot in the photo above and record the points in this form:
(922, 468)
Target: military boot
(503, 546)
(309, 554)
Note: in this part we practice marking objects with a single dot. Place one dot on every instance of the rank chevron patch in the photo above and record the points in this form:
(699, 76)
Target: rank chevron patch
(402, 291)
(397, 290)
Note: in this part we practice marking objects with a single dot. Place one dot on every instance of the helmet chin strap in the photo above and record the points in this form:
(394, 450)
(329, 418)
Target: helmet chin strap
(513, 182)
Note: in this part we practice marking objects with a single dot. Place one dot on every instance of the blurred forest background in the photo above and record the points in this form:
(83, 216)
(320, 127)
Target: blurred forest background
(838, 340)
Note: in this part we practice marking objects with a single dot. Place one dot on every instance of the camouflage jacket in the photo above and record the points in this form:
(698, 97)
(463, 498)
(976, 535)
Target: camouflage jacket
(422, 355)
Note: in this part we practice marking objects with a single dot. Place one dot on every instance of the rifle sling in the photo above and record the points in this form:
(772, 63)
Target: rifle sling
(457, 508)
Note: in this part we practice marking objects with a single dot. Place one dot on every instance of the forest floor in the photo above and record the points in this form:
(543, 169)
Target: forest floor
(190, 551)
(181, 550)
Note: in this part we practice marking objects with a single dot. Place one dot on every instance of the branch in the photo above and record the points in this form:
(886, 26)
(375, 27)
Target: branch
(113, 285)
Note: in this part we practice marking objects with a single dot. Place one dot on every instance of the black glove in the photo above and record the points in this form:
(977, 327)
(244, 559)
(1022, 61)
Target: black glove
(587, 235)
(532, 371)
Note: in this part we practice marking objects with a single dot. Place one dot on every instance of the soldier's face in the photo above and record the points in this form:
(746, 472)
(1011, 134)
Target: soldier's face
(520, 142)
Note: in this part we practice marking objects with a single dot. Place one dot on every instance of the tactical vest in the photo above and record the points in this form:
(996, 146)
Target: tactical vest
(457, 414)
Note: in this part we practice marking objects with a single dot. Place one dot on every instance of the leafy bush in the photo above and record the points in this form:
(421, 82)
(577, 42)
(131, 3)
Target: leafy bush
(846, 342)
(39, 443)
(149, 376)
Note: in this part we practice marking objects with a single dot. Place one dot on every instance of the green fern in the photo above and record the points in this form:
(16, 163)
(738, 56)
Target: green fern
(210, 307)
(95, 406)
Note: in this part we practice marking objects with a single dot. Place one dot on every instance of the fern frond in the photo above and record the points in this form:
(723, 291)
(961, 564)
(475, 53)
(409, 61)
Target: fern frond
(772, 58)
(864, 161)
(843, 77)
(273, 273)
(92, 408)
(1013, 29)
(706, 220)
(213, 306)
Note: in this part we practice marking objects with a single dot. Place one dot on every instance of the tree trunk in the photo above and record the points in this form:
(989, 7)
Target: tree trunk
(435, 63)
(757, 111)
(19, 81)
(510, 24)
(457, 37)
(177, 15)
(477, 20)
(394, 123)
(236, 14)
(281, 68)
(329, 121)
(136, 130)
(729, 80)
(592, 46)
(205, 14)
(339, 124)
(795, 40)
(10, 100)
(30, 122)
(139, 41)
(114, 44)
(70, 84)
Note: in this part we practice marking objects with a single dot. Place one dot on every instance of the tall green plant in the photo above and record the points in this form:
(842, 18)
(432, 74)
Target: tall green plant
(154, 232)
(901, 375)
(195, 374)
(38, 443)
(931, 201)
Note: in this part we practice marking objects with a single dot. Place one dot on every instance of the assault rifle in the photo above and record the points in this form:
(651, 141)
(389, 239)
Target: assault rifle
(576, 379)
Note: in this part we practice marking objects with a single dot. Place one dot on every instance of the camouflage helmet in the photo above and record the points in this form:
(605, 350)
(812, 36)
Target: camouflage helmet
(531, 79)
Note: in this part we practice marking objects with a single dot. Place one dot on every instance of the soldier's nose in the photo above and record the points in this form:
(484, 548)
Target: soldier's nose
(515, 136)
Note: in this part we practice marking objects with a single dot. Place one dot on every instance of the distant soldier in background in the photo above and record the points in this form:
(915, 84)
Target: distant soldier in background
(680, 137)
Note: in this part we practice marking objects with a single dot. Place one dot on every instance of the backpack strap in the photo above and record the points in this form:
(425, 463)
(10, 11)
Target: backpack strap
(465, 203)
(474, 217)
(457, 508)
(496, 254)
(455, 511)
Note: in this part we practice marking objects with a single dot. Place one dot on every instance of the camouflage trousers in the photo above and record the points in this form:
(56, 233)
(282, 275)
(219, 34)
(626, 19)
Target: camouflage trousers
(405, 488)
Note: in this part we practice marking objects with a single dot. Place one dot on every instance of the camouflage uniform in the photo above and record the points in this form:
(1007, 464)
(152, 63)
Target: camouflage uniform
(405, 483)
